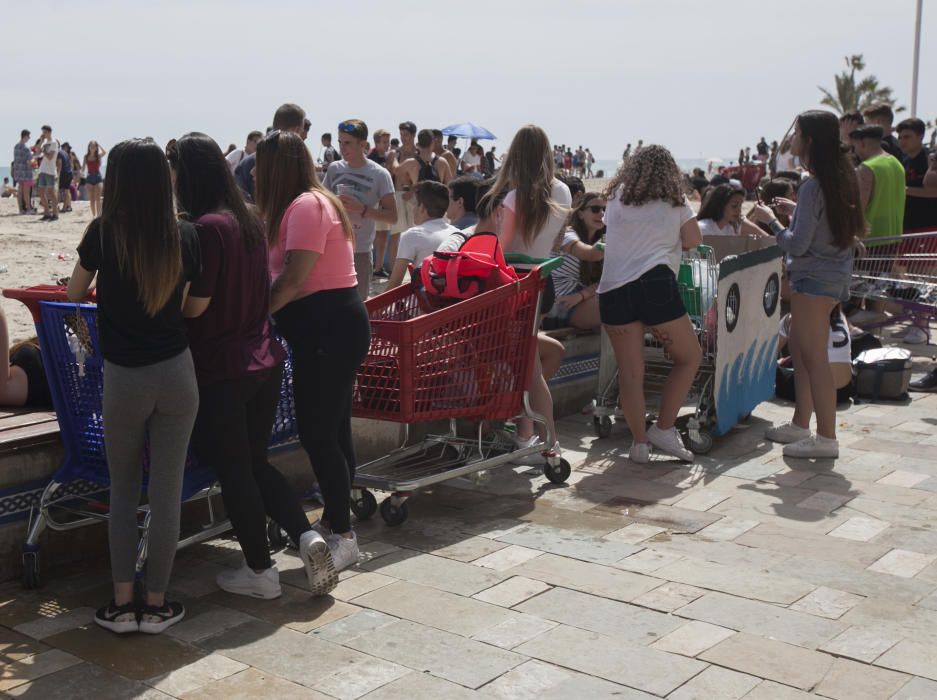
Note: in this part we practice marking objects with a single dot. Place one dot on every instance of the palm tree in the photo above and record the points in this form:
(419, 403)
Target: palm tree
(852, 96)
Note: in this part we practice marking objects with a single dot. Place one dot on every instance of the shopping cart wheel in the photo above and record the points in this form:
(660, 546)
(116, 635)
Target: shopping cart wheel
(364, 504)
(31, 570)
(275, 535)
(701, 446)
(602, 426)
(394, 515)
(557, 473)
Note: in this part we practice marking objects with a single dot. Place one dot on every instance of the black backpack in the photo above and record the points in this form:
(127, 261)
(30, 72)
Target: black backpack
(427, 170)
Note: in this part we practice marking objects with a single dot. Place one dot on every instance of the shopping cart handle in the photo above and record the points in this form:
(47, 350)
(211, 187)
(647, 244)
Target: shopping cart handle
(704, 249)
(546, 265)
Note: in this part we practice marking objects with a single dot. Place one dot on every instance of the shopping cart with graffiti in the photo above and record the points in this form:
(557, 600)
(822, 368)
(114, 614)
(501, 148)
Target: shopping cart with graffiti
(469, 361)
(734, 308)
(898, 275)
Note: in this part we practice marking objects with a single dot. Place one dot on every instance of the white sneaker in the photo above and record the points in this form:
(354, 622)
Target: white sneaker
(813, 447)
(787, 433)
(245, 581)
(344, 551)
(534, 459)
(915, 336)
(640, 453)
(320, 570)
(670, 442)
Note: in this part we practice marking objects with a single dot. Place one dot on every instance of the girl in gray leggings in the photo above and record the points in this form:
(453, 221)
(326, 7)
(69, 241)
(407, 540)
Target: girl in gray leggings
(144, 260)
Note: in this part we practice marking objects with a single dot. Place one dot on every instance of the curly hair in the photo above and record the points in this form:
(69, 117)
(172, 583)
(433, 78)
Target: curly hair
(650, 174)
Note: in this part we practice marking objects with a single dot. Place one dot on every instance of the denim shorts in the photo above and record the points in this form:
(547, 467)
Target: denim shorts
(46, 180)
(820, 288)
(94, 179)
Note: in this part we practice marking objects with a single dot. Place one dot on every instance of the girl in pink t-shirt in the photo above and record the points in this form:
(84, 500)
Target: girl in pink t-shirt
(315, 304)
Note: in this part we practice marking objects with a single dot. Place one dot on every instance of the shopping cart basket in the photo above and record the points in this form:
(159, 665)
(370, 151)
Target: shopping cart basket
(471, 361)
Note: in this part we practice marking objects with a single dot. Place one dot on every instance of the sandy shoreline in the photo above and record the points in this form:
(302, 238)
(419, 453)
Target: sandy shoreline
(37, 252)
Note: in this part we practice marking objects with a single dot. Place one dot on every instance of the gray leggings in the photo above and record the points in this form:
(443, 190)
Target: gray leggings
(164, 398)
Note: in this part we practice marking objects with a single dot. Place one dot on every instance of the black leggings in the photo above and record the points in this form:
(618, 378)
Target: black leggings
(329, 335)
(231, 434)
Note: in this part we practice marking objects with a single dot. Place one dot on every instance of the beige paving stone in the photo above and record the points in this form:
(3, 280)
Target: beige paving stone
(769, 690)
(849, 680)
(770, 659)
(862, 643)
(206, 623)
(435, 608)
(47, 626)
(504, 559)
(83, 681)
(859, 529)
(437, 572)
(716, 684)
(669, 597)
(353, 626)
(514, 630)
(196, 674)
(448, 656)
(347, 684)
(634, 533)
(728, 553)
(570, 543)
(702, 499)
(535, 680)
(904, 563)
(622, 621)
(917, 689)
(295, 608)
(421, 686)
(15, 646)
(365, 582)
(647, 561)
(35, 666)
(827, 602)
(781, 538)
(693, 638)
(907, 620)
(727, 529)
(673, 519)
(824, 501)
(614, 660)
(756, 618)
(251, 684)
(899, 477)
(912, 657)
(746, 582)
(586, 577)
(509, 593)
(469, 549)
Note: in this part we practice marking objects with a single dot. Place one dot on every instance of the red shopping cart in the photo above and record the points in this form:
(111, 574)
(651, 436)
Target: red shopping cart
(470, 361)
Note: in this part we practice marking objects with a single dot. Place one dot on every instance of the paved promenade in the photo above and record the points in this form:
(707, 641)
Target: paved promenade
(746, 576)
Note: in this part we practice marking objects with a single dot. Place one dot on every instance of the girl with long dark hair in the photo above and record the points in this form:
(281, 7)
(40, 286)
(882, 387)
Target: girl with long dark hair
(91, 164)
(826, 226)
(239, 367)
(144, 260)
(721, 214)
(315, 304)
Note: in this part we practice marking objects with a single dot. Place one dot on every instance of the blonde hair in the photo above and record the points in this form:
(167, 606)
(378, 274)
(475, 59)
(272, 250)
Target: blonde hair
(380, 133)
(650, 174)
(528, 168)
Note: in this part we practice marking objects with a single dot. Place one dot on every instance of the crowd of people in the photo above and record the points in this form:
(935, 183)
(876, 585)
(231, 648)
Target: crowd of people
(197, 254)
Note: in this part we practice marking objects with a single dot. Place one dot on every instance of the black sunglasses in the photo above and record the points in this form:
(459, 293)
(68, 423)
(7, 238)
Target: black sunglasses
(595, 208)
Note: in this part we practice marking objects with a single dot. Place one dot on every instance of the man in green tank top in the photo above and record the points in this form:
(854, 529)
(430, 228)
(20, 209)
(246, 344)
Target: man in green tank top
(881, 186)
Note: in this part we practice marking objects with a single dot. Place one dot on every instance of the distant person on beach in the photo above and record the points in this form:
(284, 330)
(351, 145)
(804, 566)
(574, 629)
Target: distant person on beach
(721, 214)
(288, 117)
(93, 180)
(884, 116)
(23, 173)
(819, 245)
(65, 176)
(402, 151)
(24, 382)
(238, 154)
(762, 149)
(367, 192)
(329, 154)
(719, 178)
(649, 222)
(698, 181)
(428, 233)
(380, 154)
(444, 152)
(314, 301)
(239, 368)
(144, 261)
(8, 189)
(424, 165)
(47, 150)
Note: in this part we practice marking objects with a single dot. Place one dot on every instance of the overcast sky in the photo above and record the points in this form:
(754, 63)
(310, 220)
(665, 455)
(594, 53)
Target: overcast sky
(702, 78)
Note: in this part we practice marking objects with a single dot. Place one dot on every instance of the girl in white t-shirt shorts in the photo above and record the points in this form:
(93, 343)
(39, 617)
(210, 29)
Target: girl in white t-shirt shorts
(648, 223)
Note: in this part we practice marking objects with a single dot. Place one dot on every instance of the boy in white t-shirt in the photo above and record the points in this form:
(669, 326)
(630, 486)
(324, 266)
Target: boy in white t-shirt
(49, 167)
(432, 200)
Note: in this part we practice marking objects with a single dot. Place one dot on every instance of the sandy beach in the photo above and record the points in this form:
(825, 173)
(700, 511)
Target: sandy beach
(41, 252)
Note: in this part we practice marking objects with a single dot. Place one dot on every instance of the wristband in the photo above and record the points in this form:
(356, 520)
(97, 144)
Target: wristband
(775, 226)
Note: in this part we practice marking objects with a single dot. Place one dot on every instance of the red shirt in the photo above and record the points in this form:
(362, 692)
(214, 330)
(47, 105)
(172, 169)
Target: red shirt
(233, 336)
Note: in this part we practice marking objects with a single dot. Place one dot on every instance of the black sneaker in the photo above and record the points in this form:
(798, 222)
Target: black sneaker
(380, 274)
(154, 620)
(926, 383)
(118, 618)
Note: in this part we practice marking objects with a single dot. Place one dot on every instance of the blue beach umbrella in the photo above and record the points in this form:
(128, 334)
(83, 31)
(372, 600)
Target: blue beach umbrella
(468, 130)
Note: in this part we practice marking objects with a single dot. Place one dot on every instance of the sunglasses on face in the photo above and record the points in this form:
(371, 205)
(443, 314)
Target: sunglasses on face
(596, 208)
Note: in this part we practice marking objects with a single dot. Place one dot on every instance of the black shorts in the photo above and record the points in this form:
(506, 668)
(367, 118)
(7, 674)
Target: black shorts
(65, 180)
(549, 296)
(652, 299)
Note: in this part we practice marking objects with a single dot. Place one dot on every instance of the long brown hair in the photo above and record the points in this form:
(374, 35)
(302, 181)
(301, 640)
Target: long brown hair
(96, 151)
(528, 168)
(589, 271)
(650, 174)
(139, 215)
(826, 158)
(285, 171)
